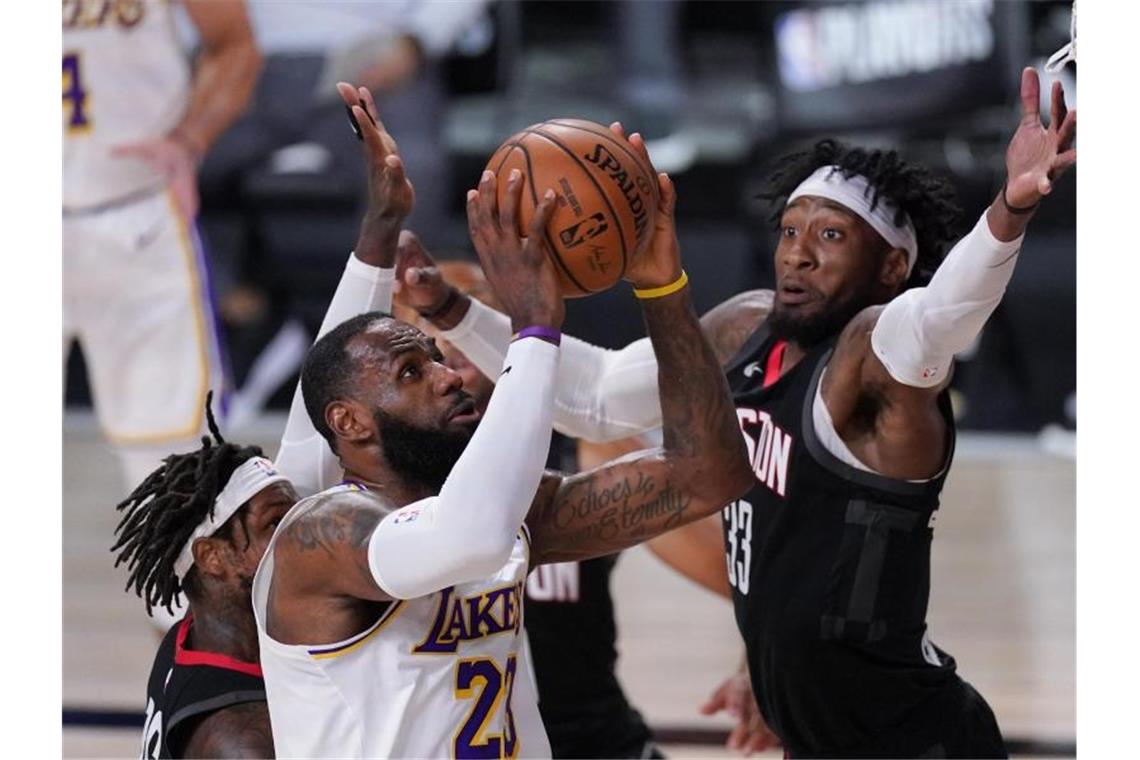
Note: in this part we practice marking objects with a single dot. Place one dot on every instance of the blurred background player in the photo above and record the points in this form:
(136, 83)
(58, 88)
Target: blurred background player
(138, 119)
(200, 523)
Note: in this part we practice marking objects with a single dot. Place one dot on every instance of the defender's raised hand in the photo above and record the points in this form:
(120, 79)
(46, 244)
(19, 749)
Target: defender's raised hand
(1037, 155)
(518, 268)
(390, 192)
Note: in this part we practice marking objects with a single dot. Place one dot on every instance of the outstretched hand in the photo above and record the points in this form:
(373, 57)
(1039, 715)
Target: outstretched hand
(751, 733)
(390, 192)
(1038, 155)
(660, 263)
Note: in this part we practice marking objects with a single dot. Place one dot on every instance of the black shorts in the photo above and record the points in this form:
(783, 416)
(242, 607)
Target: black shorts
(619, 732)
(956, 723)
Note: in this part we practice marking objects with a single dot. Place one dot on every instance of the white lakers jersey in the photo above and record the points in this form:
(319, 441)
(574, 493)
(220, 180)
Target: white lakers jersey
(445, 675)
(125, 78)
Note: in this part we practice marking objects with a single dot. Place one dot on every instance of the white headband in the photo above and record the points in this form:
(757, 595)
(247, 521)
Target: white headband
(855, 194)
(253, 475)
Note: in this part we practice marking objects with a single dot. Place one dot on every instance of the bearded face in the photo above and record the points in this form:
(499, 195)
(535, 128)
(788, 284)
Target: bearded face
(421, 455)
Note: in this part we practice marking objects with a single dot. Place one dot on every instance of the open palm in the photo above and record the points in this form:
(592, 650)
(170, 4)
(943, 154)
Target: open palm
(1038, 155)
(390, 192)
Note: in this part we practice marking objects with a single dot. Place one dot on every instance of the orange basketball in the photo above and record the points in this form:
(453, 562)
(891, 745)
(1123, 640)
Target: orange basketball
(607, 198)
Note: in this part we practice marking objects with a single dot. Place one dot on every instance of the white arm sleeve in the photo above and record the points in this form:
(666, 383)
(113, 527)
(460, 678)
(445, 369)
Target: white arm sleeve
(467, 532)
(602, 395)
(304, 456)
(919, 332)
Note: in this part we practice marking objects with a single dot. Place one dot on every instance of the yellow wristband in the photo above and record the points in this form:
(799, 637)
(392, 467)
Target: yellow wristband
(664, 290)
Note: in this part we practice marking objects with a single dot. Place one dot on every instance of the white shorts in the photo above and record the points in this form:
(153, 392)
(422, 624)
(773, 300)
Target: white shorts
(136, 295)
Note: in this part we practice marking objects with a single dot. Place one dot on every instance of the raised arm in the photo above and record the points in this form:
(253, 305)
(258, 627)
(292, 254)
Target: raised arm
(901, 354)
(702, 463)
(352, 545)
(366, 285)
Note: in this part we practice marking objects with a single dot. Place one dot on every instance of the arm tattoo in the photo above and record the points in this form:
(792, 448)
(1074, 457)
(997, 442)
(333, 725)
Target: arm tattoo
(242, 730)
(336, 533)
(698, 417)
(702, 465)
(605, 511)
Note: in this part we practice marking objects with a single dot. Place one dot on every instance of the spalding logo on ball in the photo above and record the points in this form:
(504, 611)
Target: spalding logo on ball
(607, 198)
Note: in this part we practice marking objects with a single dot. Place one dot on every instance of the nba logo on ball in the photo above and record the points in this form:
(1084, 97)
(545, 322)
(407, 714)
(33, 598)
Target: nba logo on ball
(580, 232)
(607, 203)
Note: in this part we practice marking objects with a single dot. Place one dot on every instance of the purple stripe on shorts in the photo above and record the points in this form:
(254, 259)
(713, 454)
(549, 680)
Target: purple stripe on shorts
(209, 304)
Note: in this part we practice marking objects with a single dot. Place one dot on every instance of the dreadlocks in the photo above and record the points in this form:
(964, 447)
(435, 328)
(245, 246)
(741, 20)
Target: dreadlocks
(927, 199)
(166, 508)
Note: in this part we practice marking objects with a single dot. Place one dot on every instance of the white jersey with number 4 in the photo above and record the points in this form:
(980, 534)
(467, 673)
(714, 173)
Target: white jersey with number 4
(444, 675)
(126, 78)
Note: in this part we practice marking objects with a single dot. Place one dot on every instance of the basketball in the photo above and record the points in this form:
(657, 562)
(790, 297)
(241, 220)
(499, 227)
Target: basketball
(607, 198)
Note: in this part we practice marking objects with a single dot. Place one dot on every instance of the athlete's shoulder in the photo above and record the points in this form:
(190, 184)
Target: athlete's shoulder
(728, 324)
(343, 514)
(346, 496)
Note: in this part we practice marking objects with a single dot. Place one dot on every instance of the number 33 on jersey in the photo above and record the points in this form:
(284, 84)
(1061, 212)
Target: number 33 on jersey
(738, 537)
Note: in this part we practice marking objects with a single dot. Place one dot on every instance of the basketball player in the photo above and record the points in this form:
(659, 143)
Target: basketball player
(201, 522)
(389, 608)
(839, 381)
(569, 614)
(569, 610)
(137, 122)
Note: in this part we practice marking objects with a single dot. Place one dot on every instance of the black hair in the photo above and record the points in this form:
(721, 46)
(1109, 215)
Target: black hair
(327, 372)
(928, 199)
(164, 510)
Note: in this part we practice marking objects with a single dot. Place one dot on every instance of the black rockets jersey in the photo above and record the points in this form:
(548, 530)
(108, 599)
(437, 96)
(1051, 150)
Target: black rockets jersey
(830, 573)
(187, 685)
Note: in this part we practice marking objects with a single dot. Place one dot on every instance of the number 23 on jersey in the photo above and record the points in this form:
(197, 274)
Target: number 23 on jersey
(481, 680)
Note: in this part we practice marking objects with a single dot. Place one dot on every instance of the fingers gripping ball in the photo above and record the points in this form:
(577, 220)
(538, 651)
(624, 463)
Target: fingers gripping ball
(607, 198)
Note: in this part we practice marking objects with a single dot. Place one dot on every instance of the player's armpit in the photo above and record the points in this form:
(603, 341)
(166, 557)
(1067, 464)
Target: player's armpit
(325, 550)
(895, 429)
(728, 324)
(238, 731)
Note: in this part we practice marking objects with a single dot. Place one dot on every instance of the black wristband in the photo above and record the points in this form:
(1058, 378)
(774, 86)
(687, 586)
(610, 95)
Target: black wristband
(1019, 210)
(448, 302)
